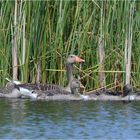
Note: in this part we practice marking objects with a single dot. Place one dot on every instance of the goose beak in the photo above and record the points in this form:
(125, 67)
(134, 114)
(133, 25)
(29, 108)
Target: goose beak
(79, 60)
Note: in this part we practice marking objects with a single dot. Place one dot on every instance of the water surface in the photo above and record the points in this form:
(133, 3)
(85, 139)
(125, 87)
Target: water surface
(28, 119)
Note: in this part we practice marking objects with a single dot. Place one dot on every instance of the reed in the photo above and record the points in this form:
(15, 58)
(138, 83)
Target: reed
(45, 32)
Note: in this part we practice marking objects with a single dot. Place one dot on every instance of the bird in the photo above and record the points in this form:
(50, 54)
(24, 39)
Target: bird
(11, 90)
(71, 59)
(63, 94)
(29, 87)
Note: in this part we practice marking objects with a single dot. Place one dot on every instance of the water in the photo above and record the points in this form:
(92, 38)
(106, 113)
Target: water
(28, 119)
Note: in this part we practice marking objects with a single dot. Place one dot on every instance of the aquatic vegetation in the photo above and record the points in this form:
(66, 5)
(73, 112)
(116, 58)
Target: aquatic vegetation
(41, 34)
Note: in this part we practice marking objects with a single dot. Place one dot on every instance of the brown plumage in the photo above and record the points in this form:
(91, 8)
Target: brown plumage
(56, 88)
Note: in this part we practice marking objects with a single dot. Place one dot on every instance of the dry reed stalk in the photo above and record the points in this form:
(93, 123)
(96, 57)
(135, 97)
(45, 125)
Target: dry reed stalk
(101, 52)
(128, 45)
(14, 45)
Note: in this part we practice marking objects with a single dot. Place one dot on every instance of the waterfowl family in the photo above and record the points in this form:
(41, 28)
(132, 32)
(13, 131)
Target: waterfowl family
(11, 90)
(15, 89)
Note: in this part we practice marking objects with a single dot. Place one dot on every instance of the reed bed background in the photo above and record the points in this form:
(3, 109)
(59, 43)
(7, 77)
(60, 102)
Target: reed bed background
(37, 36)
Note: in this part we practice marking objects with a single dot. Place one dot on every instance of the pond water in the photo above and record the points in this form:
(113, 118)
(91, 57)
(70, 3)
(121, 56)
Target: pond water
(28, 119)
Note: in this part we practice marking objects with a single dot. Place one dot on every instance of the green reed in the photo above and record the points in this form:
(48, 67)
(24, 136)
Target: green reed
(47, 31)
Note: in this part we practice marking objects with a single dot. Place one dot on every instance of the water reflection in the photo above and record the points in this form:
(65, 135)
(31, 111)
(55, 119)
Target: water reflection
(74, 120)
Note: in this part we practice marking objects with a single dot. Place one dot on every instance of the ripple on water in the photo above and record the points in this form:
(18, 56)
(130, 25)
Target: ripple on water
(21, 119)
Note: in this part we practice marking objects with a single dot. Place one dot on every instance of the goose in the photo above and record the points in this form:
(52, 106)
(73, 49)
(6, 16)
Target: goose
(63, 94)
(28, 87)
(11, 90)
(72, 59)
